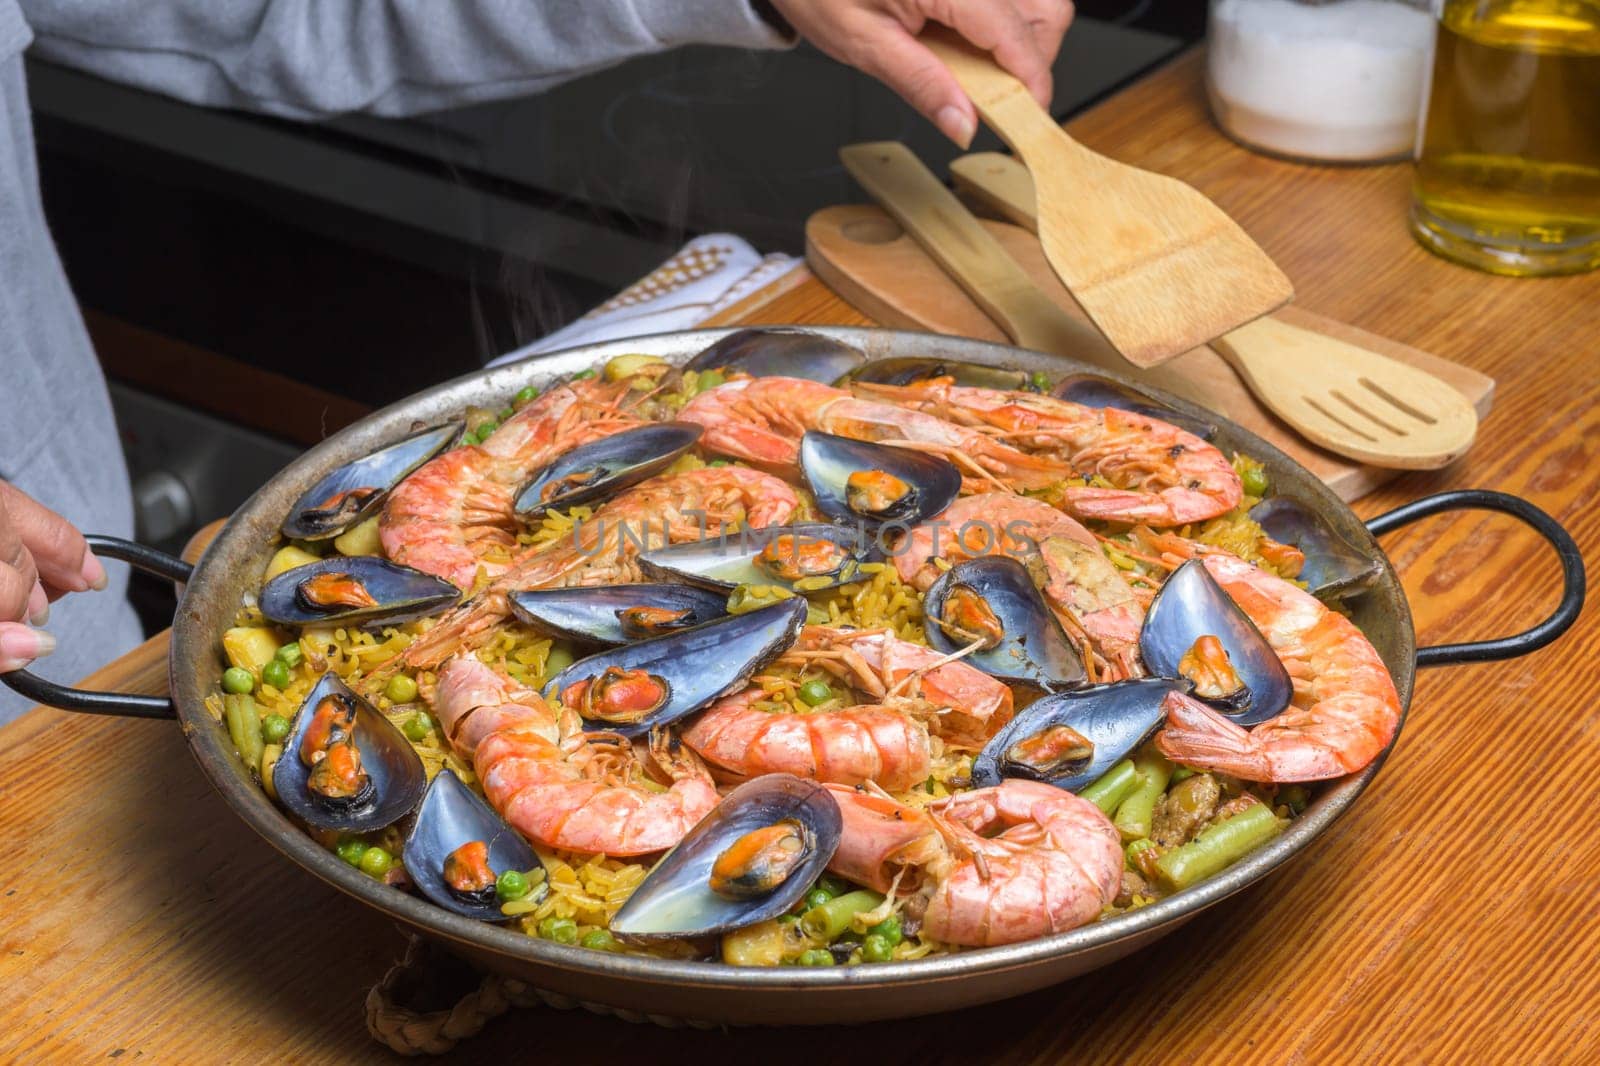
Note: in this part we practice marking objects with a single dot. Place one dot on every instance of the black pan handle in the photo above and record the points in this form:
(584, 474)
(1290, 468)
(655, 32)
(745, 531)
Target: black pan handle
(1572, 575)
(126, 705)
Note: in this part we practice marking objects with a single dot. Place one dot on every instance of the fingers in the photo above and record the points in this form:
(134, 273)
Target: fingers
(900, 61)
(1001, 30)
(20, 645)
(60, 555)
(1048, 20)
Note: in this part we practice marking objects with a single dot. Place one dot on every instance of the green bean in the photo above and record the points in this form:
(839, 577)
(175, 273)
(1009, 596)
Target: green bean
(1181, 773)
(1112, 787)
(1135, 812)
(1131, 853)
(1219, 847)
(244, 726)
(827, 921)
(290, 654)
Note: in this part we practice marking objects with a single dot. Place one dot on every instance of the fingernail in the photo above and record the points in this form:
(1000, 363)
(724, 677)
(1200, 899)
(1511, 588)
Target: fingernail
(93, 572)
(38, 606)
(957, 125)
(19, 645)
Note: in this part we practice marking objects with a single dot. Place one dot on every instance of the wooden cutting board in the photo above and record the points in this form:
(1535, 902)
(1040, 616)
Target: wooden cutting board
(864, 256)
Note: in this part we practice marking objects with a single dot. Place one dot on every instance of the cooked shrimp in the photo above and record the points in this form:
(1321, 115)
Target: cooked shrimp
(1344, 711)
(762, 420)
(562, 787)
(1054, 864)
(450, 512)
(1089, 595)
(1163, 475)
(663, 510)
(991, 866)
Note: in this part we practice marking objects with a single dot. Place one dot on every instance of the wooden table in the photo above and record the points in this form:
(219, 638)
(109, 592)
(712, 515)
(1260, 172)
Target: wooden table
(1451, 916)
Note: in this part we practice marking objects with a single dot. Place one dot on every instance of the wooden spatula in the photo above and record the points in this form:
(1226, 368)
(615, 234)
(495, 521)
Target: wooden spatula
(1346, 398)
(1156, 265)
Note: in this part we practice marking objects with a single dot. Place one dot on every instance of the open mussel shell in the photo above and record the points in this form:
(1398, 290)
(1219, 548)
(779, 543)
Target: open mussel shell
(602, 468)
(908, 370)
(1191, 605)
(618, 614)
(666, 678)
(354, 491)
(1114, 720)
(993, 597)
(452, 815)
(1334, 568)
(397, 777)
(790, 353)
(1091, 391)
(859, 481)
(354, 590)
(818, 554)
(676, 899)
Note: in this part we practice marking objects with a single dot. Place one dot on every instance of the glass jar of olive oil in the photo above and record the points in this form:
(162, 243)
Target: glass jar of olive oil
(1508, 158)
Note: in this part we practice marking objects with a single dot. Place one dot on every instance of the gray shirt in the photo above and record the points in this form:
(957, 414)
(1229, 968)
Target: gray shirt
(299, 58)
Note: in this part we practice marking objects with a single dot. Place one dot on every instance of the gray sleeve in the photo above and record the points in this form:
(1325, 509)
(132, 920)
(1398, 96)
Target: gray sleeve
(318, 58)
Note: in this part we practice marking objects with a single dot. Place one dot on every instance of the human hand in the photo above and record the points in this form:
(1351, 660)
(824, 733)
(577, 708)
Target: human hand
(880, 38)
(42, 558)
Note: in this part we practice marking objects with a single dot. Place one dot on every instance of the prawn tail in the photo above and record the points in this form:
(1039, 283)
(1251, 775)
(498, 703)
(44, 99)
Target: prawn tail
(1195, 735)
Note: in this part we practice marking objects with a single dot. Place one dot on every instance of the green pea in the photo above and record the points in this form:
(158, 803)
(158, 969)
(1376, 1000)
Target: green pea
(1039, 380)
(817, 897)
(238, 680)
(486, 429)
(889, 930)
(876, 949)
(1254, 480)
(418, 726)
(815, 957)
(719, 462)
(290, 654)
(586, 375)
(561, 930)
(815, 692)
(401, 689)
(275, 674)
(559, 658)
(350, 850)
(526, 394)
(507, 412)
(600, 940)
(375, 862)
(513, 884)
(274, 727)
(710, 379)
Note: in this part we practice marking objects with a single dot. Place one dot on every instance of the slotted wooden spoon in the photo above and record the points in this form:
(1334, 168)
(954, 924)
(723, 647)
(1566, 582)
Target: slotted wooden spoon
(1349, 399)
(1158, 267)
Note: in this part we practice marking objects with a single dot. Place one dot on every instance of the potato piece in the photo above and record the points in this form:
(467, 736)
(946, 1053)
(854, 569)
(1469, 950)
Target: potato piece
(251, 647)
(626, 366)
(360, 539)
(287, 558)
(754, 945)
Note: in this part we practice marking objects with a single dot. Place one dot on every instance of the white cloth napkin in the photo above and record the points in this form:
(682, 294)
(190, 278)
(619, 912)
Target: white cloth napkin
(706, 275)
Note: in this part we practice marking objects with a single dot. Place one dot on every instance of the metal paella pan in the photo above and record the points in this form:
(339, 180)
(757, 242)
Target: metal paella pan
(715, 992)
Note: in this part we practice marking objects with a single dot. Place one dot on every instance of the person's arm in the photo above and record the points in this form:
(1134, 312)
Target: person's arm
(319, 58)
(42, 558)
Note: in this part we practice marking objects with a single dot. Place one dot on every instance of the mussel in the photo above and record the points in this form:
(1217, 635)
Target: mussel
(353, 491)
(1333, 568)
(459, 845)
(816, 555)
(631, 689)
(1071, 738)
(993, 600)
(1237, 671)
(752, 858)
(909, 370)
(791, 353)
(360, 590)
(618, 614)
(858, 481)
(1091, 391)
(344, 765)
(605, 467)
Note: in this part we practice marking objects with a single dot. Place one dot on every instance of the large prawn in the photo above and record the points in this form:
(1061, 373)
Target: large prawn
(762, 420)
(1163, 475)
(603, 550)
(455, 510)
(915, 694)
(562, 787)
(992, 866)
(1344, 711)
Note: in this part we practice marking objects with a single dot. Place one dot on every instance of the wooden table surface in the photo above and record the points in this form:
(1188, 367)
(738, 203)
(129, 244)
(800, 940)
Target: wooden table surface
(1451, 916)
